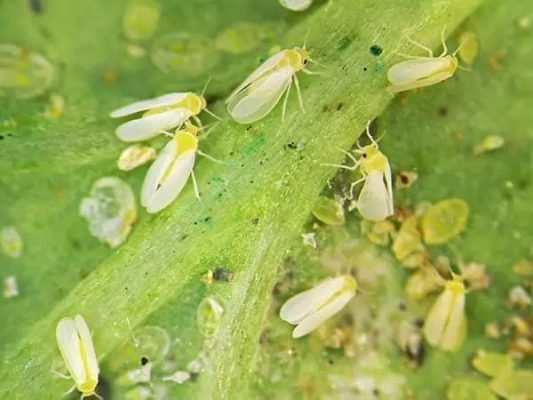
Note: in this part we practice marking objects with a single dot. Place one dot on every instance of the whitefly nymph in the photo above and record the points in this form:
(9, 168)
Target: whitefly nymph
(419, 72)
(159, 114)
(309, 309)
(262, 90)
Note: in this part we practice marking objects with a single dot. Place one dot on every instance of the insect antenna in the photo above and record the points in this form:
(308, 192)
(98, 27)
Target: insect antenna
(443, 41)
(204, 89)
(213, 114)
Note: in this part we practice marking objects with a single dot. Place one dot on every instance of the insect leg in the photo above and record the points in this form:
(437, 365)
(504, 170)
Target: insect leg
(195, 186)
(198, 121)
(167, 133)
(421, 46)
(297, 84)
(213, 114)
(354, 184)
(348, 167)
(443, 41)
(284, 108)
(60, 375)
(200, 152)
(409, 56)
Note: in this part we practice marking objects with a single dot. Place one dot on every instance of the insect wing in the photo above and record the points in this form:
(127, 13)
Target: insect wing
(322, 314)
(407, 72)
(455, 330)
(256, 101)
(166, 178)
(147, 127)
(261, 71)
(374, 202)
(300, 306)
(68, 342)
(388, 183)
(437, 317)
(87, 347)
(143, 105)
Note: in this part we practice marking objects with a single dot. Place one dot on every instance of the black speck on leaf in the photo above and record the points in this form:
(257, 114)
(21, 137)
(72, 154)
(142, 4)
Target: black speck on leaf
(375, 50)
(36, 6)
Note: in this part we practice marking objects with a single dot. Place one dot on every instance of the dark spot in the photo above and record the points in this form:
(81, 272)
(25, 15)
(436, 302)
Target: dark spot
(402, 306)
(222, 274)
(443, 111)
(1, 137)
(376, 392)
(419, 322)
(290, 146)
(414, 349)
(103, 389)
(207, 219)
(255, 221)
(345, 42)
(242, 165)
(195, 222)
(231, 153)
(404, 179)
(36, 6)
(324, 108)
(330, 361)
(339, 106)
(212, 99)
(144, 361)
(365, 69)
(251, 182)
(249, 127)
(375, 50)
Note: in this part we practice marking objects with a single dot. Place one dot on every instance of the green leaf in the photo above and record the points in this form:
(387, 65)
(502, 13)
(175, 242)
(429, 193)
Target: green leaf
(252, 209)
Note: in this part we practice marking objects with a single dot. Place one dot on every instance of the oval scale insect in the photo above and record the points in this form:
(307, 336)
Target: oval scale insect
(76, 346)
(422, 71)
(262, 90)
(160, 114)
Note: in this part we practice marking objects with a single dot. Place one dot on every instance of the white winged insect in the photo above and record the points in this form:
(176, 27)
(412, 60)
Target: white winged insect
(169, 173)
(309, 309)
(375, 200)
(159, 114)
(262, 90)
(76, 346)
(446, 325)
(422, 71)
